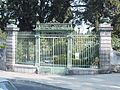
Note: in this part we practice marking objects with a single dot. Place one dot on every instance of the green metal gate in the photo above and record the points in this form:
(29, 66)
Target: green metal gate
(57, 50)
(54, 49)
(53, 53)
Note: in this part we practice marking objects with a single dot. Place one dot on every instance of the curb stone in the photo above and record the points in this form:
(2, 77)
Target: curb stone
(36, 83)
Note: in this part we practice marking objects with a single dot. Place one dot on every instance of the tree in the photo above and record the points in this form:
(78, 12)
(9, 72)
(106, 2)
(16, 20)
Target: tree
(56, 9)
(98, 10)
(116, 25)
(28, 12)
(3, 14)
(2, 39)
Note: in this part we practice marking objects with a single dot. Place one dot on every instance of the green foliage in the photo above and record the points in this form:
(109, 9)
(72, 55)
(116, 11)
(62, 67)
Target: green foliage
(3, 14)
(116, 43)
(2, 46)
(97, 10)
(62, 11)
(28, 12)
(24, 11)
(2, 38)
(114, 5)
(60, 59)
(2, 35)
(60, 46)
(45, 46)
(116, 25)
(88, 57)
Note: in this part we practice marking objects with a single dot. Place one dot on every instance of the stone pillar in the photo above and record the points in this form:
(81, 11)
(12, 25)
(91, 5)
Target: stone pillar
(11, 30)
(105, 47)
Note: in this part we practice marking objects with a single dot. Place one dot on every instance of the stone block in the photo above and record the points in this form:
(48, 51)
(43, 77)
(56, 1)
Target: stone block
(82, 71)
(104, 71)
(115, 68)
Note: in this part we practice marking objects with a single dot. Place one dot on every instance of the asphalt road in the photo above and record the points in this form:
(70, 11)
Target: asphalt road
(34, 86)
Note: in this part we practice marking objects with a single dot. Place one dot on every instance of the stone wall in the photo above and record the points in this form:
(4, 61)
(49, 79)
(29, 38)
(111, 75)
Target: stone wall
(115, 57)
(2, 59)
(115, 61)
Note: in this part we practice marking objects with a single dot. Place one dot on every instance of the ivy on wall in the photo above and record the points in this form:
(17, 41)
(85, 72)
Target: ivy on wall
(2, 39)
(116, 43)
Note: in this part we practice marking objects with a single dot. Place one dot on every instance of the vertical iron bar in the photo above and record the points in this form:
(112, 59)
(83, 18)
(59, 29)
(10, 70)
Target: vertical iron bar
(53, 55)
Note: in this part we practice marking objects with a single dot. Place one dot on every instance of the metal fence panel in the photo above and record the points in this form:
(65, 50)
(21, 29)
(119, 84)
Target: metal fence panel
(85, 51)
(25, 48)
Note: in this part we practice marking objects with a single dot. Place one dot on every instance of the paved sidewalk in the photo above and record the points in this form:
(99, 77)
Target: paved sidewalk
(75, 82)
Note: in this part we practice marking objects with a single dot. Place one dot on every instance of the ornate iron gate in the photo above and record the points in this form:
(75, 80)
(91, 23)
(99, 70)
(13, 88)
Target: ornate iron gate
(56, 51)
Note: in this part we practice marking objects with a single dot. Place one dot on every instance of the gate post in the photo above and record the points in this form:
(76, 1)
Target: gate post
(37, 50)
(11, 30)
(105, 47)
(69, 52)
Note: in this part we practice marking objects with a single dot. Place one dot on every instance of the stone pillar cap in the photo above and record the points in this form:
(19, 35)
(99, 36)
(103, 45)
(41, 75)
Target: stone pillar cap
(105, 25)
(12, 27)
